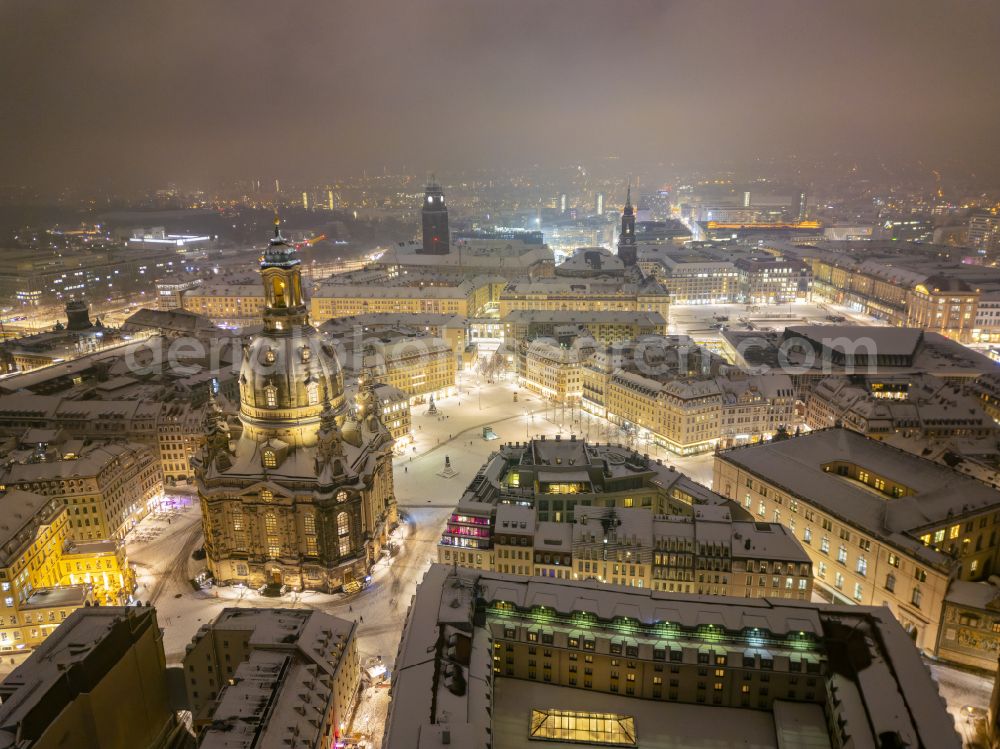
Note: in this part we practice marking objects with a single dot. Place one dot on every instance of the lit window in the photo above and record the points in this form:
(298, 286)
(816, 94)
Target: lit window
(273, 542)
(270, 459)
(271, 396)
(344, 532)
(312, 393)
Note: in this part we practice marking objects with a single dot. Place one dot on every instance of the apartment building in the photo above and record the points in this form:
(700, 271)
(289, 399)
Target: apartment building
(452, 328)
(707, 552)
(688, 416)
(421, 366)
(772, 280)
(907, 285)
(302, 663)
(488, 659)
(585, 295)
(228, 304)
(920, 407)
(691, 277)
(944, 304)
(543, 485)
(171, 429)
(606, 327)
(396, 416)
(98, 681)
(33, 536)
(406, 293)
(551, 370)
(883, 527)
(504, 252)
(106, 489)
(811, 353)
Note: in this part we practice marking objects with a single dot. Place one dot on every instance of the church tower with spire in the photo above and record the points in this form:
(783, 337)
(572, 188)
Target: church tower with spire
(628, 252)
(304, 497)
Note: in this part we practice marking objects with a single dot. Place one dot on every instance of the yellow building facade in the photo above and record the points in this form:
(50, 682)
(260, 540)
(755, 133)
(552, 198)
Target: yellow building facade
(421, 367)
(937, 304)
(909, 571)
(106, 490)
(33, 600)
(584, 296)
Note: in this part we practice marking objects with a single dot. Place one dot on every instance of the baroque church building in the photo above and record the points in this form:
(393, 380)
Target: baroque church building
(304, 496)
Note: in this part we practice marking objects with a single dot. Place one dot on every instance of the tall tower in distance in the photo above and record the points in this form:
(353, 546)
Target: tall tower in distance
(627, 250)
(437, 239)
(802, 207)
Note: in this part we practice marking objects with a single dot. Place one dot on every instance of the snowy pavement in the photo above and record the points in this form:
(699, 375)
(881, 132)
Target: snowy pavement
(960, 688)
(456, 432)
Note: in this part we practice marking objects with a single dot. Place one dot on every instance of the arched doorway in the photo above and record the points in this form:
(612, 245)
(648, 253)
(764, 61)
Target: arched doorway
(276, 576)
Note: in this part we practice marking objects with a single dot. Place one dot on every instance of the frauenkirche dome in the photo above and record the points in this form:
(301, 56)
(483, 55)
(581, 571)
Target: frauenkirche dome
(288, 370)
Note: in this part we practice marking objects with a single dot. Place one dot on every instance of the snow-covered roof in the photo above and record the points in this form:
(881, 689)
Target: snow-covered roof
(21, 512)
(78, 654)
(269, 698)
(797, 466)
(583, 317)
(983, 595)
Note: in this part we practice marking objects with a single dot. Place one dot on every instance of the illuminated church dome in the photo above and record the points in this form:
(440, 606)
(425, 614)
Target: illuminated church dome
(303, 496)
(288, 370)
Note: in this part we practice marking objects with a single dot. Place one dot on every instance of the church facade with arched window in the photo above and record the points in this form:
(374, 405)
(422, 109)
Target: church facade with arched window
(304, 497)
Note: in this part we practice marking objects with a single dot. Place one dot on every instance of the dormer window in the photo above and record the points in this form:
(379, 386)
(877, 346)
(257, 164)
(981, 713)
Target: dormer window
(341, 496)
(271, 396)
(306, 353)
(270, 357)
(266, 495)
(269, 458)
(312, 393)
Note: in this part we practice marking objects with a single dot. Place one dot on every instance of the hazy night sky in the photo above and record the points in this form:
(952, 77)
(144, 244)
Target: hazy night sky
(140, 93)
